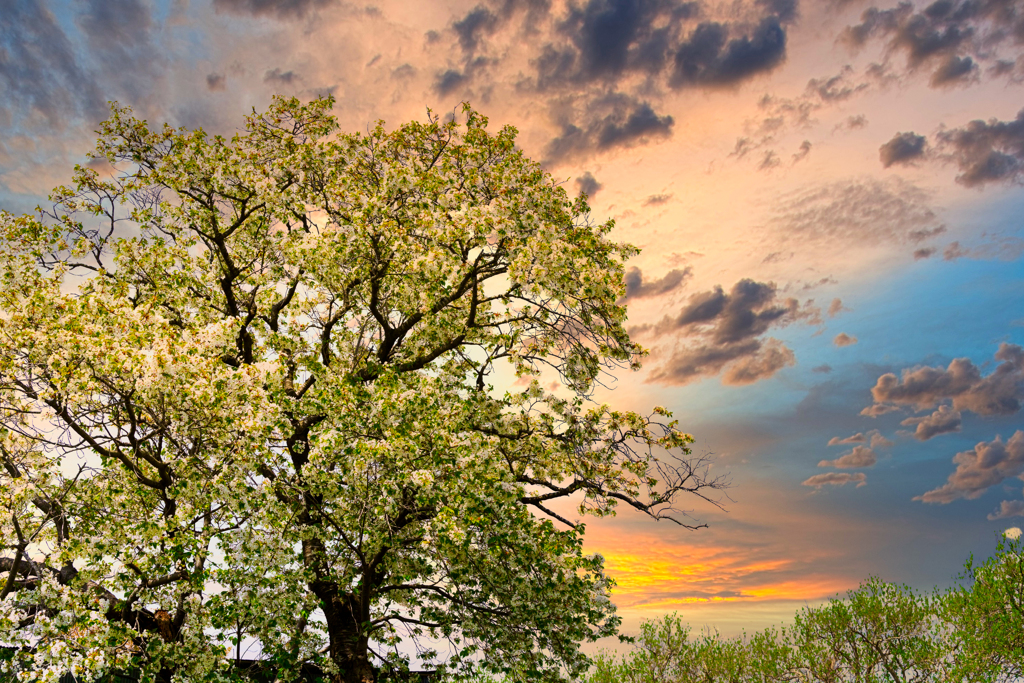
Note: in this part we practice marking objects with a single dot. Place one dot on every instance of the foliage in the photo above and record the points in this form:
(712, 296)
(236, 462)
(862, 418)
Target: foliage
(880, 633)
(245, 392)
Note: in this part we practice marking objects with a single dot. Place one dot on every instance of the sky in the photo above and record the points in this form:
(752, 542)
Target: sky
(827, 195)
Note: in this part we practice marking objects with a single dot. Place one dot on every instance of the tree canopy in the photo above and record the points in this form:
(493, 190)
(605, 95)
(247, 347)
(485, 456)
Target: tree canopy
(246, 391)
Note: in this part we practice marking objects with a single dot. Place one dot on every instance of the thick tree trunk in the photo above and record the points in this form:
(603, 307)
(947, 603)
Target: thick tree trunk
(345, 614)
(349, 647)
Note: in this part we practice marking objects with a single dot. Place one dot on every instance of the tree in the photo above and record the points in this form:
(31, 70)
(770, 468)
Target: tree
(986, 614)
(245, 385)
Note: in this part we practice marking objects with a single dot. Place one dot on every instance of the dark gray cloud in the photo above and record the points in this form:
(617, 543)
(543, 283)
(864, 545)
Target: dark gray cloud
(42, 76)
(984, 466)
(860, 456)
(636, 288)
(278, 9)
(725, 331)
(278, 77)
(615, 120)
(710, 58)
(942, 421)
(836, 479)
(924, 253)
(904, 148)
(954, 70)
(656, 199)
(985, 151)
(216, 81)
(588, 184)
(824, 368)
(961, 383)
(948, 37)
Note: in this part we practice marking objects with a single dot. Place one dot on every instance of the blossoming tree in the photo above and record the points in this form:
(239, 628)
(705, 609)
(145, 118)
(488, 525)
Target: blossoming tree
(246, 393)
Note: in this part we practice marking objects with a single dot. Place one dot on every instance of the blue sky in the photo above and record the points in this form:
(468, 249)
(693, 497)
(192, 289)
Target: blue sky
(794, 171)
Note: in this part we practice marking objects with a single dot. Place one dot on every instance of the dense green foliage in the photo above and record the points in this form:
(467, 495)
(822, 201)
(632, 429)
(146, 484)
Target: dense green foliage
(246, 393)
(880, 633)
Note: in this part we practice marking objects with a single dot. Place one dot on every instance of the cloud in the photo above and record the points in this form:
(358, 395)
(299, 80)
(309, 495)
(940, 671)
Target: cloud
(824, 368)
(615, 120)
(863, 211)
(1007, 509)
(636, 288)
(835, 479)
(954, 70)
(771, 358)
(709, 57)
(985, 151)
(985, 465)
(836, 307)
(877, 440)
(716, 329)
(878, 409)
(924, 253)
(278, 9)
(630, 52)
(278, 77)
(805, 149)
(942, 421)
(842, 339)
(904, 148)
(855, 438)
(216, 81)
(999, 393)
(949, 37)
(860, 456)
(656, 199)
(42, 76)
(588, 184)
(953, 251)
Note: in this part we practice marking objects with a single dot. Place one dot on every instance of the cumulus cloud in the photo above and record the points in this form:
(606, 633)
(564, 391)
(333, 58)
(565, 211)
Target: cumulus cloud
(948, 37)
(616, 120)
(961, 383)
(716, 329)
(836, 479)
(278, 9)
(942, 421)
(986, 465)
(985, 151)
(842, 441)
(588, 184)
(842, 339)
(636, 288)
(904, 148)
(768, 360)
(710, 57)
(1007, 509)
(860, 456)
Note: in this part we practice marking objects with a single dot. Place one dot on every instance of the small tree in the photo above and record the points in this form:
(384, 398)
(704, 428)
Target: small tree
(245, 383)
